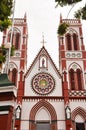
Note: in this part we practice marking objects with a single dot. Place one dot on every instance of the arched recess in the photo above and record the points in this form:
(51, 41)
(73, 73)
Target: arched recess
(79, 79)
(71, 77)
(14, 76)
(15, 37)
(81, 114)
(75, 41)
(43, 61)
(13, 72)
(68, 40)
(72, 40)
(50, 109)
(75, 77)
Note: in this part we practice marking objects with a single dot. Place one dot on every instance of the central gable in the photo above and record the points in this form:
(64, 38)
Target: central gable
(43, 62)
(43, 77)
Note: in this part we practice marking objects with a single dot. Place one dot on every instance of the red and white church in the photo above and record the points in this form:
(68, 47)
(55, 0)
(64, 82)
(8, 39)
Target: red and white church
(43, 97)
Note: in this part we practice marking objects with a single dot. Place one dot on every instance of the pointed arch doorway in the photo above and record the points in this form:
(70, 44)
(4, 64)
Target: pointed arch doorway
(79, 117)
(43, 117)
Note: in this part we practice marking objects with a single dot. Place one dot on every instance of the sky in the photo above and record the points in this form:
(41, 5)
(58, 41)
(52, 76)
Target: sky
(43, 18)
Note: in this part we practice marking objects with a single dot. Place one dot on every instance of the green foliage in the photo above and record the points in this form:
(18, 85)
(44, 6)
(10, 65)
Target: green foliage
(81, 13)
(3, 50)
(12, 50)
(5, 8)
(62, 28)
(5, 11)
(66, 2)
(5, 24)
(2, 55)
(2, 58)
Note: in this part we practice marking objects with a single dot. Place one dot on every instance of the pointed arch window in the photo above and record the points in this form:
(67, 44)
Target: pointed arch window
(68, 39)
(76, 79)
(15, 39)
(78, 117)
(14, 76)
(75, 41)
(72, 79)
(79, 79)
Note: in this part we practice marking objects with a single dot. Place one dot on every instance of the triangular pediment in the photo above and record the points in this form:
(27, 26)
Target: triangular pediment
(43, 77)
(44, 61)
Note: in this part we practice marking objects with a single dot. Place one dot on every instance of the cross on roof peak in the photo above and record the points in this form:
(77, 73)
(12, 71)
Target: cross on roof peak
(43, 40)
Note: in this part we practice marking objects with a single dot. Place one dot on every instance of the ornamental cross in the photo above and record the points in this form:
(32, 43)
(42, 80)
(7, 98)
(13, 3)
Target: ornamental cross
(43, 41)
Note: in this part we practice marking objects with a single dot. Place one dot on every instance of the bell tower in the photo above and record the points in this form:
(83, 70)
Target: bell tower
(72, 61)
(18, 52)
(17, 38)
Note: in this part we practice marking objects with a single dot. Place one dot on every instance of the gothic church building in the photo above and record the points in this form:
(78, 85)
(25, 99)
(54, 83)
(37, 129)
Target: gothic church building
(43, 97)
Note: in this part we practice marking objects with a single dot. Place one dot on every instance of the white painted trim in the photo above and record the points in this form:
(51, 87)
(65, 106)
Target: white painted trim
(4, 112)
(9, 89)
(7, 103)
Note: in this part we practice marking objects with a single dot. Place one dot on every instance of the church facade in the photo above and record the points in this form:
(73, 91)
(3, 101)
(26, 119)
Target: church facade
(44, 97)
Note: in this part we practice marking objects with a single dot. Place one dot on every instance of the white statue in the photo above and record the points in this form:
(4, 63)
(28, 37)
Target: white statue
(68, 112)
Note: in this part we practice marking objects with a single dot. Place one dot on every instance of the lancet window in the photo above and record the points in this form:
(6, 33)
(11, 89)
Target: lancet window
(15, 38)
(72, 41)
(76, 79)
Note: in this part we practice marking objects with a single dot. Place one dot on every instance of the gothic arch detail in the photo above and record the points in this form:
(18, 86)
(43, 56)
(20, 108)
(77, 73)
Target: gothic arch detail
(68, 40)
(13, 73)
(79, 79)
(71, 77)
(15, 37)
(82, 113)
(51, 111)
(79, 111)
(75, 77)
(75, 41)
(72, 40)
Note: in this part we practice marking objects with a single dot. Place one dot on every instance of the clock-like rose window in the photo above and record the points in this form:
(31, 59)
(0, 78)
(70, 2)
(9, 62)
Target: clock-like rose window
(43, 83)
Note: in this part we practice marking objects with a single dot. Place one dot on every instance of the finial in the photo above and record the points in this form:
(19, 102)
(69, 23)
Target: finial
(43, 41)
(60, 18)
(25, 15)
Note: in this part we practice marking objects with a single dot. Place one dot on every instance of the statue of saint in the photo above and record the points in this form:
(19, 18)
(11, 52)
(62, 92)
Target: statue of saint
(43, 62)
(68, 112)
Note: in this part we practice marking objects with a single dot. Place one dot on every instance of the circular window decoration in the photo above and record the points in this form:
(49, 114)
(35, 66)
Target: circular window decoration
(43, 83)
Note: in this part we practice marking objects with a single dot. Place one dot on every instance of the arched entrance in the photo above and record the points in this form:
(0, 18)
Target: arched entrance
(43, 117)
(78, 118)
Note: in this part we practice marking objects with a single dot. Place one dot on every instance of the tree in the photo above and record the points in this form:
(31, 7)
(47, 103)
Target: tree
(80, 13)
(5, 11)
(62, 28)
(66, 2)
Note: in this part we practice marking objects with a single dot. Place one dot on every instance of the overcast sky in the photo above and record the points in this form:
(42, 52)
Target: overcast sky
(43, 17)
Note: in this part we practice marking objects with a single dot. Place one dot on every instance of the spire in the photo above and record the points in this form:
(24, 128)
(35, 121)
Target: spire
(25, 17)
(43, 41)
(60, 18)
